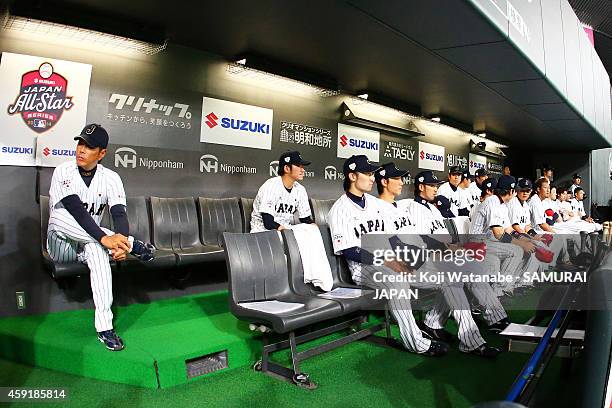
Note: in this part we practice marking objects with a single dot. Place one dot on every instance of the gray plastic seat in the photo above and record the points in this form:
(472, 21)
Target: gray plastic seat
(246, 208)
(62, 270)
(176, 228)
(258, 272)
(140, 228)
(296, 274)
(320, 209)
(218, 215)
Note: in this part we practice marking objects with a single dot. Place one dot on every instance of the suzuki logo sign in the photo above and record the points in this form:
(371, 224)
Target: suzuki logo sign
(211, 120)
(125, 157)
(209, 163)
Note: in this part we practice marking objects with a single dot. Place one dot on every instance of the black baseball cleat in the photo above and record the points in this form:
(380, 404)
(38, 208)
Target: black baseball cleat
(142, 251)
(436, 349)
(436, 334)
(499, 326)
(110, 339)
(485, 351)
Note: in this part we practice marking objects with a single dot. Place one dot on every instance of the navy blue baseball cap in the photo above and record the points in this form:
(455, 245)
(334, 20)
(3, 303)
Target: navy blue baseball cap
(94, 135)
(524, 184)
(576, 176)
(359, 164)
(293, 157)
(489, 184)
(465, 174)
(389, 170)
(506, 183)
(455, 170)
(444, 205)
(427, 177)
(481, 172)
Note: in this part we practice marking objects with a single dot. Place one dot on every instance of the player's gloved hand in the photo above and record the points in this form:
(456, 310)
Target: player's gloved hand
(544, 255)
(547, 239)
(116, 243)
(479, 248)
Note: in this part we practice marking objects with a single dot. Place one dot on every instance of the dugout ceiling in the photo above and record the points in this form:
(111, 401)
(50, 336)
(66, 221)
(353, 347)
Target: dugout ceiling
(450, 58)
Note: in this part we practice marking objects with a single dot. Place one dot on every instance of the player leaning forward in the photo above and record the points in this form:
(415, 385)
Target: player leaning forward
(80, 191)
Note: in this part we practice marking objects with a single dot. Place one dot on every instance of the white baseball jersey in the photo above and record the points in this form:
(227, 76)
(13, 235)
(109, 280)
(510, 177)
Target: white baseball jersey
(348, 222)
(466, 197)
(565, 208)
(106, 189)
(491, 212)
(399, 219)
(426, 217)
(519, 213)
(454, 195)
(577, 207)
(538, 212)
(550, 204)
(475, 193)
(274, 199)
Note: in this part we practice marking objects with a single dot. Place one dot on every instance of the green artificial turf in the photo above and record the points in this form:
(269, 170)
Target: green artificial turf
(168, 332)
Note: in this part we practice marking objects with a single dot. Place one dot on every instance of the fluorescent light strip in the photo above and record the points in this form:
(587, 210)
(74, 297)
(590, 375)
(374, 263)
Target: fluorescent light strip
(281, 83)
(80, 36)
(381, 109)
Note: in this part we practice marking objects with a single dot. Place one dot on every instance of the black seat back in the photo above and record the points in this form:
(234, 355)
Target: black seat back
(175, 223)
(218, 215)
(138, 216)
(449, 223)
(44, 222)
(338, 264)
(246, 208)
(256, 265)
(320, 209)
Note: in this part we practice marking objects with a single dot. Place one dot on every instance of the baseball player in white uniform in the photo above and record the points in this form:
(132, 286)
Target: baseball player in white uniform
(576, 180)
(279, 198)
(451, 190)
(355, 214)
(519, 213)
(451, 297)
(486, 188)
(577, 204)
(79, 194)
(492, 223)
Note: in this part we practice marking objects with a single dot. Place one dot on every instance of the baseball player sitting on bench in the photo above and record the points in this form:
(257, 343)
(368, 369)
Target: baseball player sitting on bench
(451, 297)
(79, 193)
(452, 191)
(280, 197)
(355, 214)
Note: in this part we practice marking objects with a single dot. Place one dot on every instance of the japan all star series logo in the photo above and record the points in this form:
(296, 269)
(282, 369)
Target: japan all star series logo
(42, 98)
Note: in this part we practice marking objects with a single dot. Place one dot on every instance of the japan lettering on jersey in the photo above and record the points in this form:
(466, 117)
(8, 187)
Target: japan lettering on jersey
(519, 213)
(348, 222)
(577, 207)
(426, 217)
(474, 192)
(106, 189)
(274, 199)
(454, 195)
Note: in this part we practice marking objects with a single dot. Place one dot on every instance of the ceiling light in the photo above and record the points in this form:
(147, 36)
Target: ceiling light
(79, 37)
(435, 119)
(363, 96)
(481, 134)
